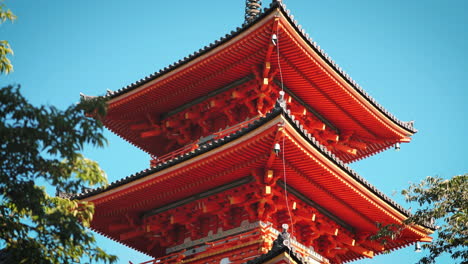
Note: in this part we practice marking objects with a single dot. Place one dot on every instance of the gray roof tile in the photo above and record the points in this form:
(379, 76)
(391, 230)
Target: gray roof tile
(275, 4)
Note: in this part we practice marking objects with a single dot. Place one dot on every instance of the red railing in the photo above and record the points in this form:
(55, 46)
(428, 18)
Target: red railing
(194, 145)
(187, 148)
(234, 128)
(224, 243)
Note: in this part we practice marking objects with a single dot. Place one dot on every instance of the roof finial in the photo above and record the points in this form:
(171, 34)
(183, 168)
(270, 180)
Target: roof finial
(252, 9)
(276, 2)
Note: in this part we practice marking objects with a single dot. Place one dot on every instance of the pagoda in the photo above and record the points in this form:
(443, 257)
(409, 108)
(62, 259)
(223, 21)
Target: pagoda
(249, 140)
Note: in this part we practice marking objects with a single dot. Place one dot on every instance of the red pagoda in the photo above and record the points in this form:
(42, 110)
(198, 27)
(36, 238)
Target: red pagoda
(249, 139)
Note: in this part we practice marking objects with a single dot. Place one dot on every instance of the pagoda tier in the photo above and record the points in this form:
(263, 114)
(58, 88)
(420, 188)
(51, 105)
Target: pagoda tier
(237, 78)
(192, 201)
(246, 135)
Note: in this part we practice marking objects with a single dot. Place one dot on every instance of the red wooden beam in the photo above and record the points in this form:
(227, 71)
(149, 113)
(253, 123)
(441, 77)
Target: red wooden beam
(363, 251)
(151, 133)
(345, 239)
(131, 234)
(345, 148)
(118, 227)
(141, 126)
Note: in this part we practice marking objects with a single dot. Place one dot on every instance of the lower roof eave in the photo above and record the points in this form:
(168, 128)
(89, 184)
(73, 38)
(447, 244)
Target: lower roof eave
(278, 115)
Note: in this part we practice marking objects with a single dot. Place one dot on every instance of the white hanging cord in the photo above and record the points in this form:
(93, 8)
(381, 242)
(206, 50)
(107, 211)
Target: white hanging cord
(275, 39)
(286, 188)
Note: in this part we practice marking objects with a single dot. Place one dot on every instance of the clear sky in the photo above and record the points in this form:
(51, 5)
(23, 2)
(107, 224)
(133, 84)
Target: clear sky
(409, 55)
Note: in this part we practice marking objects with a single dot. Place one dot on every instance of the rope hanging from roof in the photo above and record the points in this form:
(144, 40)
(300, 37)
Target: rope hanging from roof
(252, 9)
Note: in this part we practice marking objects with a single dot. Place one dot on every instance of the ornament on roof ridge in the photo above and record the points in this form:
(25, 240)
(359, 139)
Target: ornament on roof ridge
(252, 10)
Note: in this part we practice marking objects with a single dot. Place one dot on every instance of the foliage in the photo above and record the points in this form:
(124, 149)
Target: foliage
(443, 202)
(5, 49)
(43, 144)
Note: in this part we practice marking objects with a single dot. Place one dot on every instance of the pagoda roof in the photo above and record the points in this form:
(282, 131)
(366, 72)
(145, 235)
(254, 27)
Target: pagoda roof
(309, 74)
(209, 146)
(275, 5)
(348, 196)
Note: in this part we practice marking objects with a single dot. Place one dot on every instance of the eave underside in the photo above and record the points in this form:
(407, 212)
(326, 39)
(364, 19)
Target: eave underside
(309, 169)
(304, 71)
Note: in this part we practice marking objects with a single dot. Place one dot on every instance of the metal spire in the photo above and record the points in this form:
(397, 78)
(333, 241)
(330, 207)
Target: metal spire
(252, 9)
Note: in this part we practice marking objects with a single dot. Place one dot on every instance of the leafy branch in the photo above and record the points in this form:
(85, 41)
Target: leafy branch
(5, 49)
(443, 202)
(44, 144)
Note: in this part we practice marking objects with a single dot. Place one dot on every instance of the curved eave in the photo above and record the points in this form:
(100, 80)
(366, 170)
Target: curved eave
(348, 177)
(344, 173)
(340, 74)
(191, 59)
(340, 167)
(91, 194)
(121, 197)
(276, 10)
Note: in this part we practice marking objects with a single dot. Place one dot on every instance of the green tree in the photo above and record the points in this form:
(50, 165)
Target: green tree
(444, 204)
(44, 144)
(5, 49)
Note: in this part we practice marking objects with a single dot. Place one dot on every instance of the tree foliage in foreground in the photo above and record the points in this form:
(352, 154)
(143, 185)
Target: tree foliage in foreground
(43, 144)
(444, 203)
(5, 49)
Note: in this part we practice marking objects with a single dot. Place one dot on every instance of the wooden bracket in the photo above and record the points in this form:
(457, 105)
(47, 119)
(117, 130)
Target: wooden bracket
(345, 239)
(405, 140)
(345, 148)
(362, 251)
(118, 227)
(179, 217)
(270, 178)
(266, 71)
(327, 135)
(357, 144)
(131, 234)
(211, 207)
(152, 133)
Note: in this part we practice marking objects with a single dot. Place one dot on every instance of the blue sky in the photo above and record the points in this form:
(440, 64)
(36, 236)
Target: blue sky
(409, 55)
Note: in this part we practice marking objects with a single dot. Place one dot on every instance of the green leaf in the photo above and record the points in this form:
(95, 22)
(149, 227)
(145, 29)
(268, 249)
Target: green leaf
(444, 203)
(45, 143)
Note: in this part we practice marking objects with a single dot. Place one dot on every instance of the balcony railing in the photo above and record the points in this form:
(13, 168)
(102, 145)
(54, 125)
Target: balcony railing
(194, 145)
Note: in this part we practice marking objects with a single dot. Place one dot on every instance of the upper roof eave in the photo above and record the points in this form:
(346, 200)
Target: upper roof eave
(212, 46)
(275, 5)
(409, 126)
